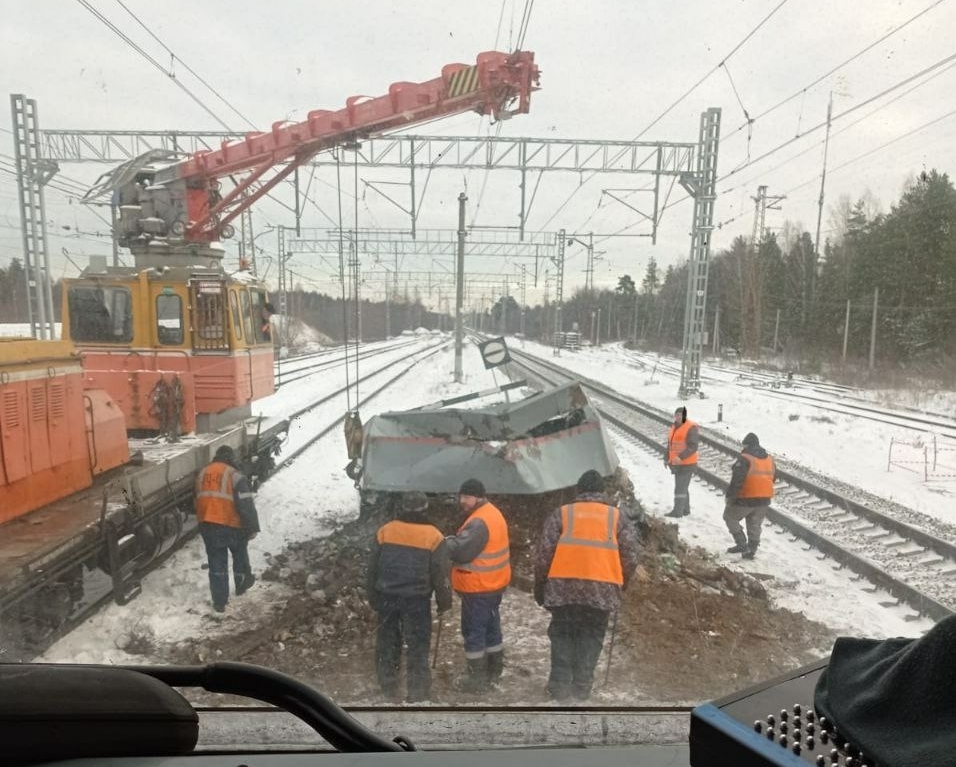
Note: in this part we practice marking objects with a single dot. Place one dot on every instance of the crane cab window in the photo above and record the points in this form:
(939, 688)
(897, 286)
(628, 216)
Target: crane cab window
(100, 314)
(247, 316)
(236, 316)
(260, 318)
(169, 319)
(209, 316)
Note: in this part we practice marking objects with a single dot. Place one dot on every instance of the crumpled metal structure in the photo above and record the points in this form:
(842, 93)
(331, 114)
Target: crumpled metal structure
(538, 444)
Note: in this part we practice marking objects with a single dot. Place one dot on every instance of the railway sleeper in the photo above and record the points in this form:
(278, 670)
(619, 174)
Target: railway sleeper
(914, 552)
(896, 543)
(795, 493)
(839, 516)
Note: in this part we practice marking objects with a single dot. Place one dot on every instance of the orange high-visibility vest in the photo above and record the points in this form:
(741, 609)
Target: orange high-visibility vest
(759, 480)
(587, 548)
(214, 499)
(677, 443)
(491, 569)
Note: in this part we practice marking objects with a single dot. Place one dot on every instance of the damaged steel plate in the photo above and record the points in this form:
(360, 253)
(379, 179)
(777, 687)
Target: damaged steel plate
(538, 444)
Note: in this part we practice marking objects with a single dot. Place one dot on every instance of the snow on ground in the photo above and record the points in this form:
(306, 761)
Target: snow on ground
(840, 445)
(307, 499)
(301, 502)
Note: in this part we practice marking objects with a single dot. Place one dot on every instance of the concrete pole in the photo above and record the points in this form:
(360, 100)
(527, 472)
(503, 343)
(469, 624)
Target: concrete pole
(716, 347)
(776, 333)
(388, 312)
(460, 285)
(846, 329)
(876, 300)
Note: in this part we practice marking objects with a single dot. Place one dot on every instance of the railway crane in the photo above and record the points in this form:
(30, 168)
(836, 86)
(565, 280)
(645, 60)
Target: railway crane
(104, 431)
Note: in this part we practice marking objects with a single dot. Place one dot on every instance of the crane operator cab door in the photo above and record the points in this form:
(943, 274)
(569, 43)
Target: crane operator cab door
(210, 329)
(232, 367)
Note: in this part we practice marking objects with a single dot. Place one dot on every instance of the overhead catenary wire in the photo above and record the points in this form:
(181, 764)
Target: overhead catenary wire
(749, 122)
(170, 74)
(142, 52)
(951, 59)
(835, 69)
(189, 69)
(834, 134)
(667, 111)
(844, 113)
(525, 21)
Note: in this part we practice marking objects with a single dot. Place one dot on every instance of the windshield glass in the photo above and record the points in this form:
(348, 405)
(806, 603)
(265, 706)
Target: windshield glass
(745, 215)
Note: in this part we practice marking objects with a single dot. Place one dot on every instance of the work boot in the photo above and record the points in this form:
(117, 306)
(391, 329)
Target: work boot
(476, 680)
(674, 513)
(740, 544)
(496, 665)
(245, 584)
(751, 552)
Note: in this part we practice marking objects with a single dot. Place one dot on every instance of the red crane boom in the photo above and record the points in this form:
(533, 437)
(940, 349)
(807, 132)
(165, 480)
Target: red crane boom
(181, 203)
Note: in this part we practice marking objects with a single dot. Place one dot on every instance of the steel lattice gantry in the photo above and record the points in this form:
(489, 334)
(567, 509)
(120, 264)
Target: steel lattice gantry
(436, 243)
(415, 153)
(692, 164)
(702, 186)
(33, 172)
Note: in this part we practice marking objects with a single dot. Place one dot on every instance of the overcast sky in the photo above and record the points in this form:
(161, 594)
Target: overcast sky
(610, 69)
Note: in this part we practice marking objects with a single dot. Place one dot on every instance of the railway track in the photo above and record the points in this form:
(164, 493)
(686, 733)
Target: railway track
(408, 364)
(296, 368)
(99, 591)
(834, 398)
(907, 554)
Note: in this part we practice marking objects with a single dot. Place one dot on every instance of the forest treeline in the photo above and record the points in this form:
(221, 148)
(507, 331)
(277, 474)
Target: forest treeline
(884, 277)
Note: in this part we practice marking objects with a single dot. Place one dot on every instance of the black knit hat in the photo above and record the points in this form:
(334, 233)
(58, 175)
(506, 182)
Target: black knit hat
(751, 440)
(590, 482)
(415, 502)
(472, 487)
(226, 454)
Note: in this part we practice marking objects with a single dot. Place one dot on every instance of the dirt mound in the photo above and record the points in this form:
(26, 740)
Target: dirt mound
(688, 629)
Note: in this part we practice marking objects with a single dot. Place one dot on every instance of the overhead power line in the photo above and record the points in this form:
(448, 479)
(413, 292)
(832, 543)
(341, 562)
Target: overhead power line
(661, 116)
(722, 63)
(189, 69)
(906, 81)
(171, 75)
(834, 69)
(525, 20)
(850, 110)
(834, 134)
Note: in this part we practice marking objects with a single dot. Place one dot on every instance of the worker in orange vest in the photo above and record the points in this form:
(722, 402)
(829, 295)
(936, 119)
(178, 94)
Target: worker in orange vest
(681, 459)
(480, 573)
(584, 560)
(749, 495)
(228, 520)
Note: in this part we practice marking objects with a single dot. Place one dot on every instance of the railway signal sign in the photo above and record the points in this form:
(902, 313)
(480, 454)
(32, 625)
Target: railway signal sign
(494, 352)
